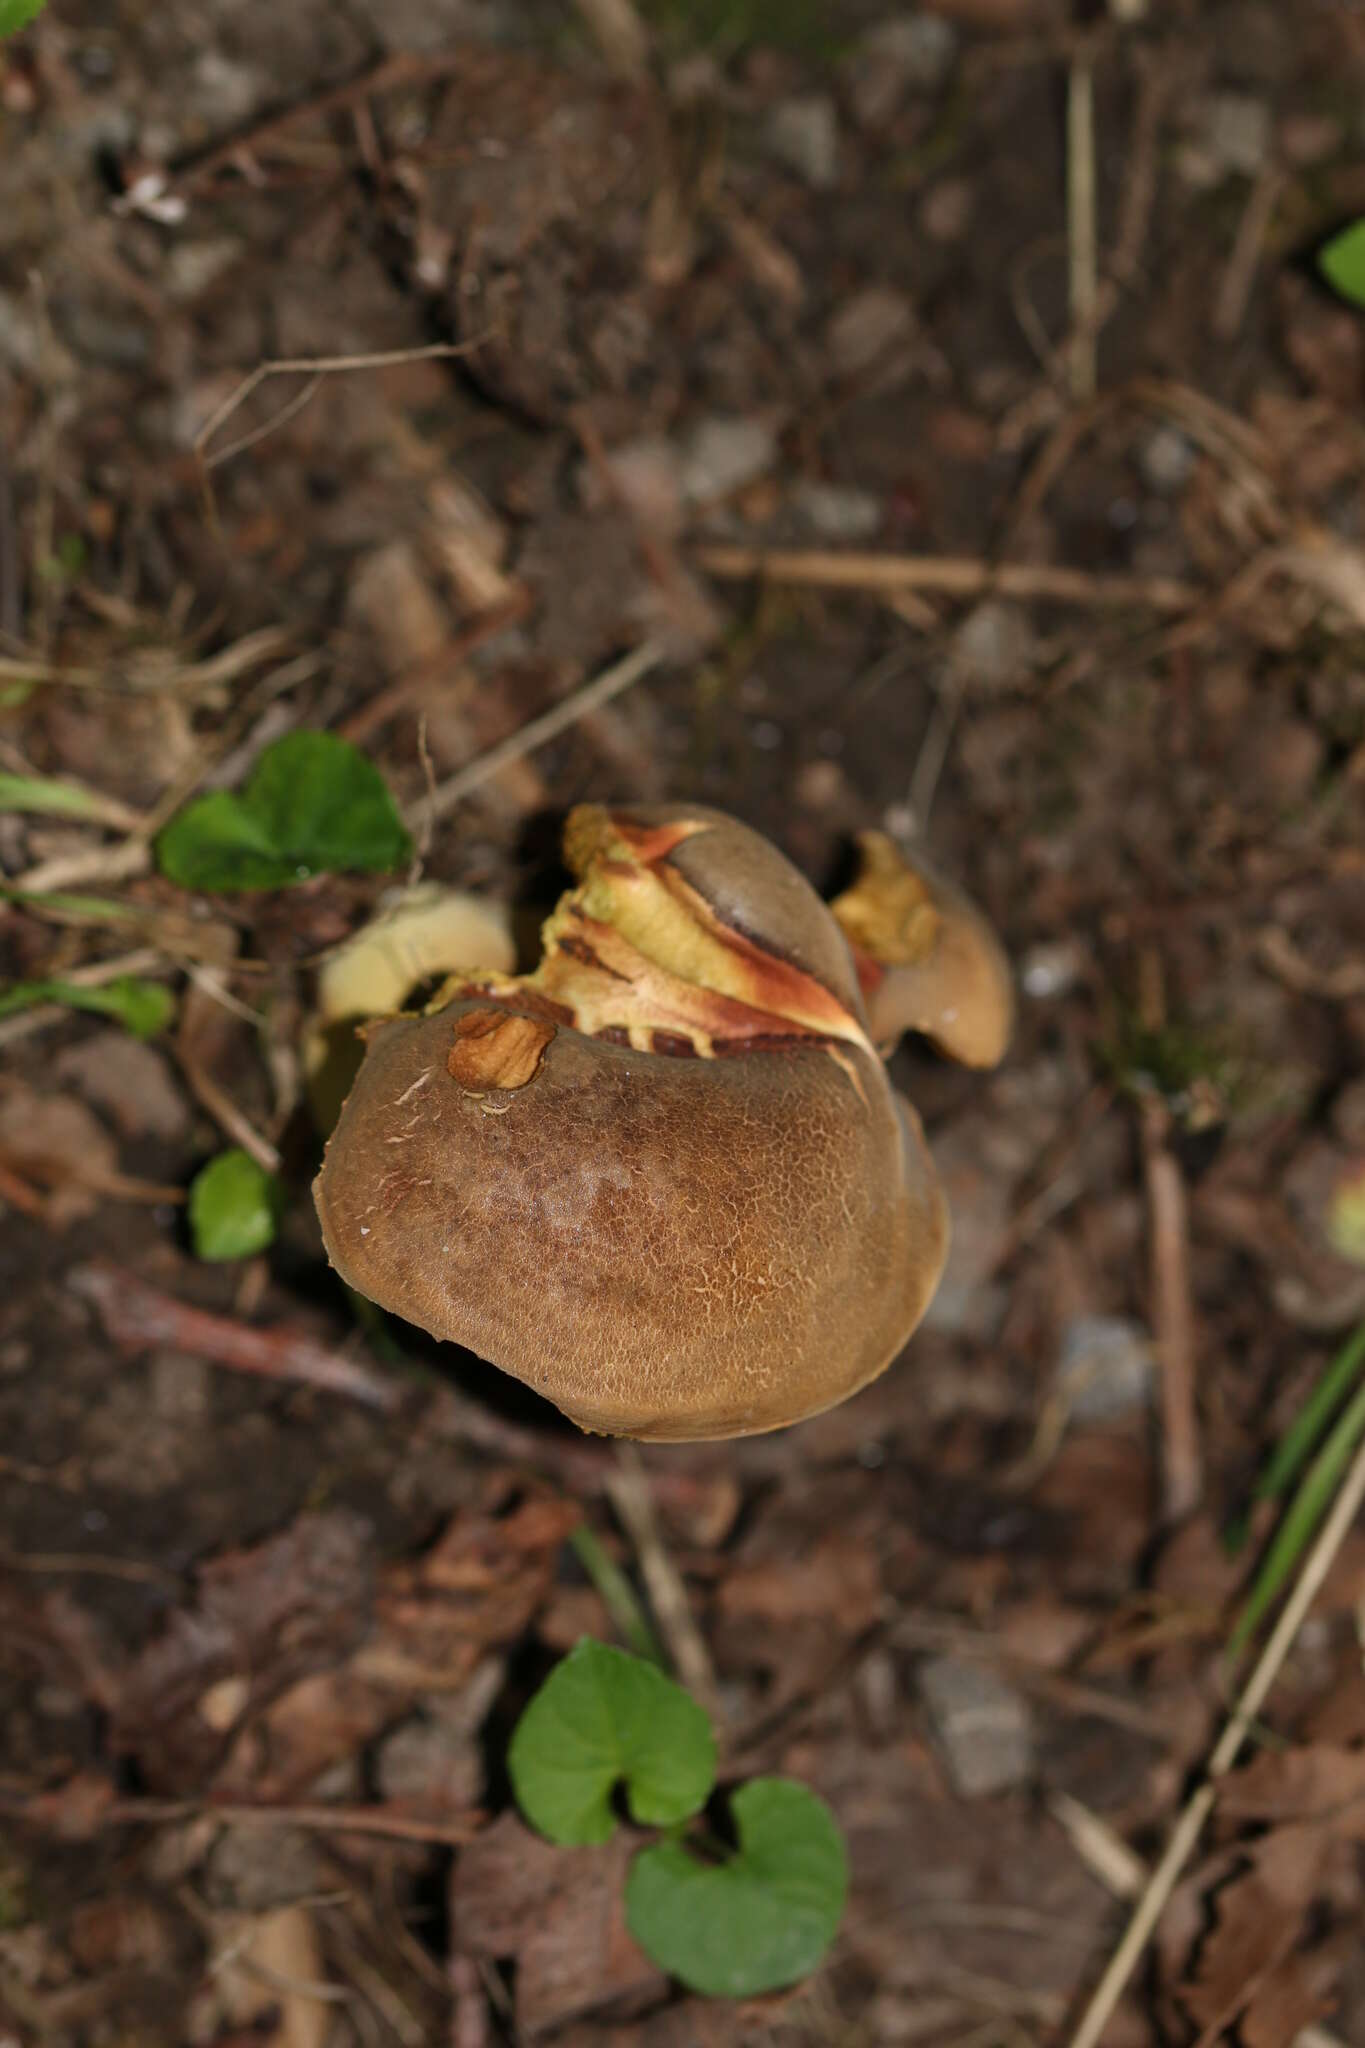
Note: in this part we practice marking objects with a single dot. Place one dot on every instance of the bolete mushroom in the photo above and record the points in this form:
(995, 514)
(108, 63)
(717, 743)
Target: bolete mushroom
(663, 1179)
(421, 933)
(927, 960)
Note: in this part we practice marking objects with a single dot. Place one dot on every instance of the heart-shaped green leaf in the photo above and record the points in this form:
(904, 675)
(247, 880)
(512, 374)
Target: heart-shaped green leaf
(15, 14)
(603, 1716)
(234, 1207)
(763, 1918)
(313, 805)
(1342, 262)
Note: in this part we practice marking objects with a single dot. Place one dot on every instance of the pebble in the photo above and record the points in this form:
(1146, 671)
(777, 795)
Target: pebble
(983, 1726)
(1051, 968)
(723, 454)
(803, 134)
(945, 211)
(836, 512)
(1166, 459)
(1231, 137)
(867, 327)
(994, 648)
(912, 52)
(1106, 1368)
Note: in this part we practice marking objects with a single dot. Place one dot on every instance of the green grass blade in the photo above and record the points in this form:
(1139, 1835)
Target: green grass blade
(618, 1596)
(48, 796)
(1299, 1439)
(1301, 1519)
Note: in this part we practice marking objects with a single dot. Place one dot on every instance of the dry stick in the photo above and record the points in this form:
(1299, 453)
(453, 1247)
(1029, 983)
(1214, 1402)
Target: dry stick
(1173, 1315)
(1082, 261)
(346, 1820)
(958, 575)
(138, 1316)
(399, 69)
(430, 809)
(1190, 1824)
(630, 1495)
(1240, 275)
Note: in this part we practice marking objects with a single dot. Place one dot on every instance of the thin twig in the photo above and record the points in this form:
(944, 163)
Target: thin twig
(621, 676)
(959, 575)
(1172, 1314)
(138, 1316)
(630, 1495)
(45, 1808)
(315, 367)
(400, 69)
(1234, 292)
(1197, 1809)
(1082, 259)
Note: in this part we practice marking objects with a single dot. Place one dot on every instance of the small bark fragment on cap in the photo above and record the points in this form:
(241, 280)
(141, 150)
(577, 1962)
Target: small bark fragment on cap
(495, 1049)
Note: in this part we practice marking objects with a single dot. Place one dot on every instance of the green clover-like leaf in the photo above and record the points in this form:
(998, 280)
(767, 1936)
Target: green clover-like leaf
(763, 1918)
(1342, 262)
(17, 14)
(234, 1207)
(601, 1717)
(313, 805)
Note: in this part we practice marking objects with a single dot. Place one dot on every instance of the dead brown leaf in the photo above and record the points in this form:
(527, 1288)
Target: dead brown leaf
(561, 1914)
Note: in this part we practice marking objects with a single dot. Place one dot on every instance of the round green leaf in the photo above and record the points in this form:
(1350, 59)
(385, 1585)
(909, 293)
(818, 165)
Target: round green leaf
(1342, 262)
(234, 1206)
(603, 1716)
(15, 14)
(313, 805)
(760, 1920)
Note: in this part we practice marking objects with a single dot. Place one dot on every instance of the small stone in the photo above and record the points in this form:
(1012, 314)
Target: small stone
(191, 267)
(429, 1763)
(909, 53)
(982, 1724)
(723, 454)
(803, 134)
(1166, 459)
(224, 93)
(223, 1704)
(1231, 137)
(867, 327)
(836, 512)
(644, 475)
(1051, 969)
(946, 210)
(993, 649)
(1106, 1368)
(130, 1081)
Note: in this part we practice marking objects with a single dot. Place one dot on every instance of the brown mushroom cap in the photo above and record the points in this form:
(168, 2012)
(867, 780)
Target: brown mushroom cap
(664, 1180)
(927, 959)
(665, 1247)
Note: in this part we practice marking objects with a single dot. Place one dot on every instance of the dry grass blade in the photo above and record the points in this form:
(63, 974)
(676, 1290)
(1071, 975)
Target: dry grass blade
(1197, 1810)
(315, 368)
(622, 675)
(630, 1495)
(1173, 1314)
(1082, 256)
